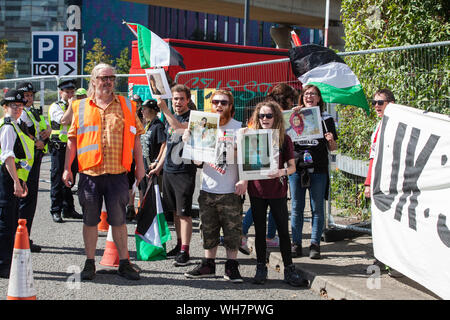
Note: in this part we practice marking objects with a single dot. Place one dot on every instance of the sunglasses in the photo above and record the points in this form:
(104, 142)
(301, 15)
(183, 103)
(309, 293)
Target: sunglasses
(379, 102)
(265, 115)
(222, 102)
(105, 78)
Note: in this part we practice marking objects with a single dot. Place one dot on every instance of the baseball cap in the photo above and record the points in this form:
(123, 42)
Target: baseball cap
(80, 92)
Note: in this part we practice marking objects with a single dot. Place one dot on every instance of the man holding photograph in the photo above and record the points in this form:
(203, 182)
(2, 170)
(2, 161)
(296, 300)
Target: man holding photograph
(220, 196)
(178, 174)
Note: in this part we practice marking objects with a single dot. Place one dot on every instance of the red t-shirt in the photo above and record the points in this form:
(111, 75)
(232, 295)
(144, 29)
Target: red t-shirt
(274, 188)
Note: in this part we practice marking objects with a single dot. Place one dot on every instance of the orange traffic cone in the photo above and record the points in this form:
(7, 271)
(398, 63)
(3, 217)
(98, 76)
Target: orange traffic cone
(103, 224)
(138, 206)
(111, 255)
(21, 283)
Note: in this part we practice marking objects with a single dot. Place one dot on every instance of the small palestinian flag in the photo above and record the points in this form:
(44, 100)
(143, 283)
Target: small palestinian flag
(322, 67)
(152, 231)
(154, 51)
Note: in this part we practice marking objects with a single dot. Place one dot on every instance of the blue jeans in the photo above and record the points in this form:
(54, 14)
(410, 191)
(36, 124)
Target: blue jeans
(317, 192)
(248, 221)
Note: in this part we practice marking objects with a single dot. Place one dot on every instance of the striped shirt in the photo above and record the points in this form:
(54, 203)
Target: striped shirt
(112, 126)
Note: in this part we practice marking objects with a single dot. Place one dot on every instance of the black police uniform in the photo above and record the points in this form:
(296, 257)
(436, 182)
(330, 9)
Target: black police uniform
(27, 205)
(62, 203)
(9, 208)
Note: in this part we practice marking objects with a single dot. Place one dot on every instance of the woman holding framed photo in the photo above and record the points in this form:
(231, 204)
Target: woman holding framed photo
(312, 173)
(273, 192)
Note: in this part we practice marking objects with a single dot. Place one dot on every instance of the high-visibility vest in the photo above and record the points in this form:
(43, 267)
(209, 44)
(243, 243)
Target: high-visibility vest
(38, 123)
(89, 135)
(59, 130)
(23, 166)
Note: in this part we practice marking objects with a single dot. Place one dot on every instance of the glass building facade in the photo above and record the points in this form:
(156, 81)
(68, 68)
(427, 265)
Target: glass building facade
(18, 18)
(103, 20)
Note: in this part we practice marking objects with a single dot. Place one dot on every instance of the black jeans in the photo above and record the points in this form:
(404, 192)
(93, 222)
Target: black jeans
(280, 213)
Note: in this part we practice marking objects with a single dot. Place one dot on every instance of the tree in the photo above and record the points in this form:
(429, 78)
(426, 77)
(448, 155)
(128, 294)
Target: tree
(6, 67)
(419, 78)
(96, 55)
(123, 65)
(123, 62)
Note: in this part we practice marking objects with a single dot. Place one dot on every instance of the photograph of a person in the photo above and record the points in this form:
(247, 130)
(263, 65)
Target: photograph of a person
(202, 141)
(158, 84)
(255, 154)
(304, 124)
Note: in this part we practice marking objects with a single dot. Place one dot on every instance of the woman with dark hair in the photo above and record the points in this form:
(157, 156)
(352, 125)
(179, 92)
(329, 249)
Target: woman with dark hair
(284, 95)
(273, 192)
(312, 176)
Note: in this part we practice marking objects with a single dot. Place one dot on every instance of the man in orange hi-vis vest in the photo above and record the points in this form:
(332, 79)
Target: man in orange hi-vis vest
(104, 136)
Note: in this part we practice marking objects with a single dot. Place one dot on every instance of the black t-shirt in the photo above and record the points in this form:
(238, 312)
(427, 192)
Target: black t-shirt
(173, 162)
(151, 141)
(318, 148)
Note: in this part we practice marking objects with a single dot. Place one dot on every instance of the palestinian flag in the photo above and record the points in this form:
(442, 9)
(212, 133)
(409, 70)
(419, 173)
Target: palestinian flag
(152, 231)
(322, 67)
(154, 51)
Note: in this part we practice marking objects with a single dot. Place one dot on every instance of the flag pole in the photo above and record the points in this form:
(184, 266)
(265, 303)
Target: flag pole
(325, 44)
(327, 17)
(131, 29)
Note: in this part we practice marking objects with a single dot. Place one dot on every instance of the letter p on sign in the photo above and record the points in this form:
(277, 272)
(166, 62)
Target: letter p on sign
(43, 46)
(69, 42)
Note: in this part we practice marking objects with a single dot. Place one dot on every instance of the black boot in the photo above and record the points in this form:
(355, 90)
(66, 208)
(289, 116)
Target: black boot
(292, 277)
(261, 274)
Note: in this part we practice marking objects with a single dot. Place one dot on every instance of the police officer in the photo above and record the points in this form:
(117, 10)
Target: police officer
(16, 161)
(39, 131)
(61, 196)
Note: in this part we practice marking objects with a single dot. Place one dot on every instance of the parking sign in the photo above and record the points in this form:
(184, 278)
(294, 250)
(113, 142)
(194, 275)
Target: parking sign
(54, 53)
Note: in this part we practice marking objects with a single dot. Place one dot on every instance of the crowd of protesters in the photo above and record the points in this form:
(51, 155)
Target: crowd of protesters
(115, 144)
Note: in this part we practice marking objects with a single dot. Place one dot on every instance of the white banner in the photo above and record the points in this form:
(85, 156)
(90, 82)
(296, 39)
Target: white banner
(411, 196)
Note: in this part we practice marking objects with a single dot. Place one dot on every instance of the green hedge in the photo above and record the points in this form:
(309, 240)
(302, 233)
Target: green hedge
(419, 78)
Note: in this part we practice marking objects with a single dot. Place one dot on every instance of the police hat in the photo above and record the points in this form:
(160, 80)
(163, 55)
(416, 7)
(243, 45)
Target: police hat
(13, 95)
(151, 103)
(26, 87)
(68, 84)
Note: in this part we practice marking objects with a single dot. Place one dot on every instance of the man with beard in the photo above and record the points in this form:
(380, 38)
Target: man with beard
(105, 137)
(220, 196)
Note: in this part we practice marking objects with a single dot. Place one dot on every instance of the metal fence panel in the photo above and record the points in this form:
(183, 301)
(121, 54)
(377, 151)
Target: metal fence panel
(422, 70)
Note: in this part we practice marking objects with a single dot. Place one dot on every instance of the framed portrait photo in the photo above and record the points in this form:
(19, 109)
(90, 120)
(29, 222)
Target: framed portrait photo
(302, 125)
(203, 128)
(256, 154)
(158, 84)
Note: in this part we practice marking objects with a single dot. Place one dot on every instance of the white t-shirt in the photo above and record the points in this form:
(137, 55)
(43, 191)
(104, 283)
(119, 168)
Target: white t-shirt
(7, 140)
(221, 177)
(55, 112)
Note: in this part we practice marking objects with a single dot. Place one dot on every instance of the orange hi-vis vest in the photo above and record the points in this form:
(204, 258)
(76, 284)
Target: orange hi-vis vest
(88, 124)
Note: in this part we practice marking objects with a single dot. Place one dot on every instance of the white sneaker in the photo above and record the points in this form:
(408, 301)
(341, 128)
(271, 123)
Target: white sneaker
(274, 242)
(244, 247)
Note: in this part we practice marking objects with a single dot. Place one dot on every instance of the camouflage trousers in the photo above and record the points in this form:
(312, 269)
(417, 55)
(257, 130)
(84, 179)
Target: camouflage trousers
(220, 211)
